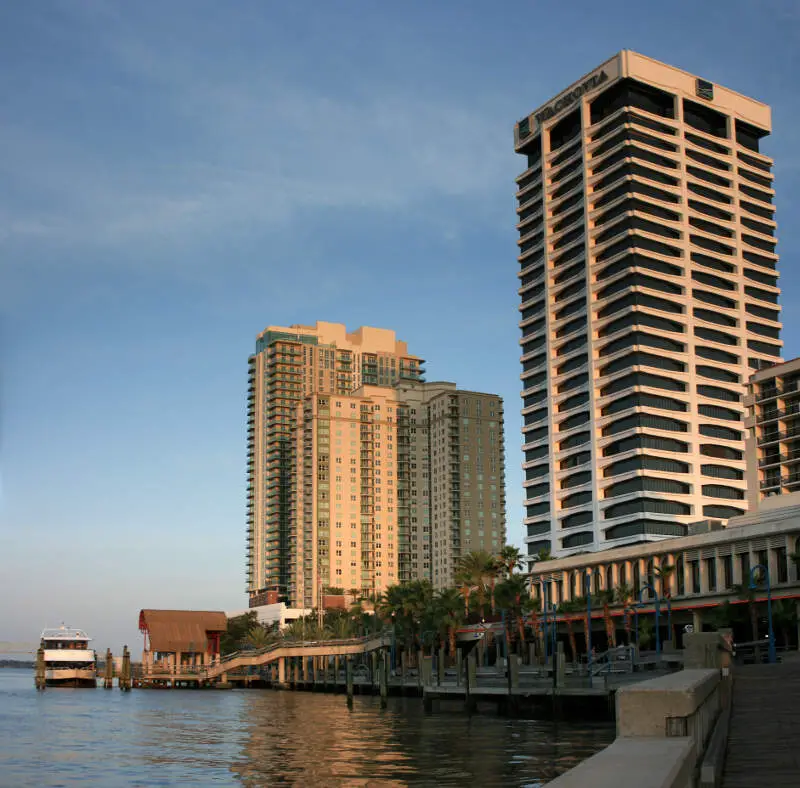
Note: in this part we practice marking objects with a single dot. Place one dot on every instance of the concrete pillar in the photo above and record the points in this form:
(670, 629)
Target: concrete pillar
(178, 655)
(697, 620)
(472, 673)
(513, 666)
(335, 670)
(282, 670)
(687, 576)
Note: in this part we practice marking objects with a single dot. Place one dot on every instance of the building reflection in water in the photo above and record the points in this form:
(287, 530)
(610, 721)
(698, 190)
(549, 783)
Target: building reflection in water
(313, 739)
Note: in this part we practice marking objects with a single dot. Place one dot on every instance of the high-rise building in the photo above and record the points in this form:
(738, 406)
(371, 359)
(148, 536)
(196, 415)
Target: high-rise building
(773, 440)
(452, 472)
(288, 366)
(649, 295)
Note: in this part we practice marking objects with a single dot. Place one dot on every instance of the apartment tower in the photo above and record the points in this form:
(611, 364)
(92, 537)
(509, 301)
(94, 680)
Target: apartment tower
(773, 440)
(649, 295)
(452, 476)
(290, 366)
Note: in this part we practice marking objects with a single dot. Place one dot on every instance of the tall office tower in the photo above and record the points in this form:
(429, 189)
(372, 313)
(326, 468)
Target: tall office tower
(649, 295)
(289, 365)
(452, 477)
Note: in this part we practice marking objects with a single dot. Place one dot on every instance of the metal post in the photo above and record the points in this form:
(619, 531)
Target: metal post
(588, 585)
(544, 620)
(771, 634)
(669, 621)
(394, 645)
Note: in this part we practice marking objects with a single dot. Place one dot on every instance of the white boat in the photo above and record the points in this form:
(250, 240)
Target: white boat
(68, 660)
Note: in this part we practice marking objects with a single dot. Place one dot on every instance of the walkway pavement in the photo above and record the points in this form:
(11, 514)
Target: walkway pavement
(764, 738)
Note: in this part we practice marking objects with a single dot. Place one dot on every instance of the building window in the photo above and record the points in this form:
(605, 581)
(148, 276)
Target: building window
(727, 571)
(711, 573)
(694, 568)
(783, 568)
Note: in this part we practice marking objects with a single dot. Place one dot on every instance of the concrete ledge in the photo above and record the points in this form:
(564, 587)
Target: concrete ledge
(643, 708)
(640, 762)
(714, 759)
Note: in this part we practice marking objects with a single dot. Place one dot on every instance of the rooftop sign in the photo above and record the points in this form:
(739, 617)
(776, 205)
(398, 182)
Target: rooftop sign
(571, 96)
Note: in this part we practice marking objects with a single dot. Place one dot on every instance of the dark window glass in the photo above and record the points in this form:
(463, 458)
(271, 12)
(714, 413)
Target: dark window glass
(713, 281)
(715, 354)
(639, 261)
(537, 472)
(721, 512)
(714, 298)
(640, 358)
(718, 412)
(573, 421)
(715, 336)
(715, 392)
(646, 484)
(630, 93)
(710, 244)
(565, 205)
(762, 295)
(579, 518)
(756, 194)
(573, 325)
(715, 373)
(709, 194)
(573, 383)
(645, 442)
(702, 142)
(643, 462)
(565, 154)
(654, 505)
(641, 319)
(721, 472)
(714, 317)
(705, 119)
(765, 212)
(708, 161)
(571, 309)
(712, 262)
(646, 528)
(642, 379)
(708, 177)
(639, 280)
(568, 273)
(567, 186)
(650, 420)
(574, 440)
(754, 178)
(710, 227)
(710, 210)
(567, 128)
(638, 242)
(763, 347)
(759, 259)
(535, 529)
(574, 460)
(717, 431)
(572, 345)
(576, 499)
(639, 299)
(643, 399)
(642, 338)
(577, 540)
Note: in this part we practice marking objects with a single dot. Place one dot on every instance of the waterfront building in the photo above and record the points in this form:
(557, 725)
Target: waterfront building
(773, 441)
(175, 639)
(451, 468)
(708, 567)
(289, 365)
(649, 295)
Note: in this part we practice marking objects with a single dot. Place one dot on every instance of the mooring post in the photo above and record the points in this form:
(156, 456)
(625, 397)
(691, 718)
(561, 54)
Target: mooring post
(459, 666)
(440, 666)
(374, 678)
(108, 672)
(384, 679)
(471, 683)
(335, 671)
(348, 673)
(125, 673)
(40, 680)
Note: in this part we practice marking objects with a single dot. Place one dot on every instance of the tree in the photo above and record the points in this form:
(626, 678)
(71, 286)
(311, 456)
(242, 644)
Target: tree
(664, 574)
(510, 559)
(237, 630)
(784, 618)
(568, 610)
(606, 599)
(474, 569)
(624, 596)
(449, 616)
(747, 593)
(259, 637)
(512, 597)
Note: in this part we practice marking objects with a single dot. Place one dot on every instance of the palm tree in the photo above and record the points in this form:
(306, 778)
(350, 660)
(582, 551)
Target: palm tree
(259, 637)
(664, 574)
(606, 599)
(474, 569)
(512, 597)
(624, 595)
(784, 618)
(449, 615)
(747, 593)
(567, 609)
(510, 558)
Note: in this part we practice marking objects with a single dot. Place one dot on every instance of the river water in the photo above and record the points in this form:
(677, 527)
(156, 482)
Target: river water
(107, 738)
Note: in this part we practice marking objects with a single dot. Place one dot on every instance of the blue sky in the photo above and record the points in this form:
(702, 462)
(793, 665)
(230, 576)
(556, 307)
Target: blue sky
(175, 176)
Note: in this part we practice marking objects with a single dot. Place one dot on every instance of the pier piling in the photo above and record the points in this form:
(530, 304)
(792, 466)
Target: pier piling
(348, 673)
(108, 672)
(125, 673)
(39, 679)
(384, 679)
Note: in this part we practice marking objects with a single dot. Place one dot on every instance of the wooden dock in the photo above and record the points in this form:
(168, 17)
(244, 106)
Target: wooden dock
(763, 749)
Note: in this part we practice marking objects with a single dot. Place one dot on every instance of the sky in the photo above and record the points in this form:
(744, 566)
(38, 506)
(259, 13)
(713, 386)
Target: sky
(175, 176)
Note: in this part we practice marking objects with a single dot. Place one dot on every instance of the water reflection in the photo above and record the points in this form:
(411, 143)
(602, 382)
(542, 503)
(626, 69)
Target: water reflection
(105, 739)
(302, 739)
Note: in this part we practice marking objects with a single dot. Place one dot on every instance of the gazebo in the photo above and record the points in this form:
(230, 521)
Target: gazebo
(177, 640)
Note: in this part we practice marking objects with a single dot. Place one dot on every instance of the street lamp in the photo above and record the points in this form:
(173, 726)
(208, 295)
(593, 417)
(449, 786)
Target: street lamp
(587, 581)
(394, 645)
(772, 657)
(649, 587)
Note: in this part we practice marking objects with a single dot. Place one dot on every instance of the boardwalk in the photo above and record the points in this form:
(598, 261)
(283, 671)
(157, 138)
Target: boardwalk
(764, 739)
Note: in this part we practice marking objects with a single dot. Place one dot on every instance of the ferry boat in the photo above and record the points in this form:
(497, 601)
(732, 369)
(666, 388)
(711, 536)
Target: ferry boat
(68, 660)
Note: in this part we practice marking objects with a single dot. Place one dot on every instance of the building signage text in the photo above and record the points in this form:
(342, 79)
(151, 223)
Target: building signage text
(571, 97)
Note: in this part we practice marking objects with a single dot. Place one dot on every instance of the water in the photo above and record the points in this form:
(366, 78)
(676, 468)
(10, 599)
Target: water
(107, 738)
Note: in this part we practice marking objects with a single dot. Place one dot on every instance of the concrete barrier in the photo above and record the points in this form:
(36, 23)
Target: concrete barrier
(662, 728)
